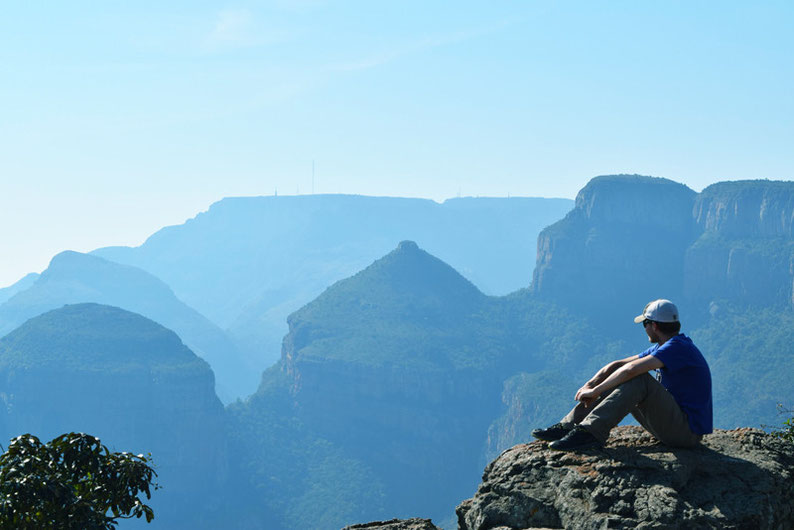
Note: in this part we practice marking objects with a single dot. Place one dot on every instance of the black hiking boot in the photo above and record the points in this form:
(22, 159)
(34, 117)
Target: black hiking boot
(578, 438)
(550, 434)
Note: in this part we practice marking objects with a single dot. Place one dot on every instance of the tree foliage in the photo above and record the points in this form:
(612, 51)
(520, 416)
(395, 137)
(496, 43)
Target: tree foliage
(787, 431)
(71, 482)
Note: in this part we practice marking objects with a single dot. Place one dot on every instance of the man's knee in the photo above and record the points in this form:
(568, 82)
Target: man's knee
(639, 382)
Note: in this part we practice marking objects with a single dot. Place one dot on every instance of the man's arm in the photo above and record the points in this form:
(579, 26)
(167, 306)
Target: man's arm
(605, 372)
(629, 369)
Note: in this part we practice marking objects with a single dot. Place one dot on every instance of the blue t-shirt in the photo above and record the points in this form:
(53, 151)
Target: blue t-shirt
(687, 377)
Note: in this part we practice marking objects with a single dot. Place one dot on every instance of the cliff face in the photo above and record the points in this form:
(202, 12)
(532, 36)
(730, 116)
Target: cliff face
(758, 208)
(631, 239)
(736, 479)
(745, 250)
(621, 245)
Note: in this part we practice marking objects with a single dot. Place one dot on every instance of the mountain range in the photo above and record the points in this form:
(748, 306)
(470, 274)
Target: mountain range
(400, 380)
(248, 262)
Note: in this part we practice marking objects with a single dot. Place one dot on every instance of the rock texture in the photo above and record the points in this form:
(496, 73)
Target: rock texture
(396, 524)
(735, 479)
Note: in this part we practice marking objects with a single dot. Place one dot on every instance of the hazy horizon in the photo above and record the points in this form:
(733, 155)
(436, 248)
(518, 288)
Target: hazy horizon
(121, 119)
(37, 262)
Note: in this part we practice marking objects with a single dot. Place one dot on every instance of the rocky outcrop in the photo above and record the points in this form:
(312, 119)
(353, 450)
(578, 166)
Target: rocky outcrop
(735, 479)
(396, 524)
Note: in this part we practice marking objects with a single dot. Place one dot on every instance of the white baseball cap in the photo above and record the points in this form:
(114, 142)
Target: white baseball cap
(659, 311)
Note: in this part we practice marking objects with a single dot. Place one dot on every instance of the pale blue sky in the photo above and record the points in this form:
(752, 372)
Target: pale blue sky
(117, 118)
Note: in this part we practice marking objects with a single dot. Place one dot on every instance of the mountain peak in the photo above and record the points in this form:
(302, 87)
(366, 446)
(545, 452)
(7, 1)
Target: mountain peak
(409, 269)
(408, 246)
(406, 289)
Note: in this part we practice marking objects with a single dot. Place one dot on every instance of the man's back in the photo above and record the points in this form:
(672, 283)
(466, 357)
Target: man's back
(687, 377)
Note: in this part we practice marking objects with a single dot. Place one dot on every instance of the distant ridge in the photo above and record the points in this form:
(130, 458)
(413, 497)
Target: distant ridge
(21, 285)
(248, 262)
(73, 277)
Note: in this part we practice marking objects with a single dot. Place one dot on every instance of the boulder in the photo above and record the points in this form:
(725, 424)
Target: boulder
(396, 524)
(735, 479)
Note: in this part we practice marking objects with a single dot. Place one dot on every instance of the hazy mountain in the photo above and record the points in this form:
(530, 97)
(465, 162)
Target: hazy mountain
(75, 278)
(410, 373)
(622, 245)
(247, 263)
(400, 369)
(21, 285)
(129, 381)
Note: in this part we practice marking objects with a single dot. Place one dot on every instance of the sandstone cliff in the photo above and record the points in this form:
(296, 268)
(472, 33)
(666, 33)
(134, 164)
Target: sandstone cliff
(736, 479)
(745, 250)
(606, 251)
(630, 239)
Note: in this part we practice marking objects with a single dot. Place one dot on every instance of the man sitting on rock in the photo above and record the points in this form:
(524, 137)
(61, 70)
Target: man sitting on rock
(676, 409)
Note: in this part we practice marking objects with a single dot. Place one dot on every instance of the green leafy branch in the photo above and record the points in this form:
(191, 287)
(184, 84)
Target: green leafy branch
(70, 482)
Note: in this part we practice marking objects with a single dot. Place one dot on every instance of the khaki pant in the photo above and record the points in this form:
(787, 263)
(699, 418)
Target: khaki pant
(650, 404)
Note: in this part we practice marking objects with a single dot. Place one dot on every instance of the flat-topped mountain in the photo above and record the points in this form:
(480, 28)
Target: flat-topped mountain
(127, 380)
(248, 262)
(747, 208)
(622, 245)
(631, 239)
(73, 278)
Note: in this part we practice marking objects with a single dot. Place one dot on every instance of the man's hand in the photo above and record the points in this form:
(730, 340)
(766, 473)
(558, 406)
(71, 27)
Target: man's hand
(587, 395)
(585, 387)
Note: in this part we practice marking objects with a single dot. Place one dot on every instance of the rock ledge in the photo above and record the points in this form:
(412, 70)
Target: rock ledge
(735, 479)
